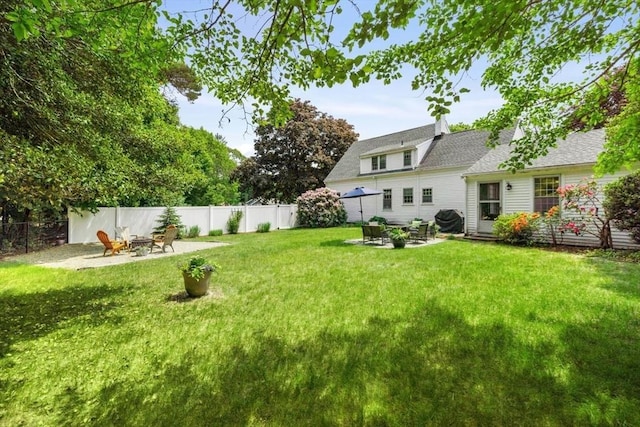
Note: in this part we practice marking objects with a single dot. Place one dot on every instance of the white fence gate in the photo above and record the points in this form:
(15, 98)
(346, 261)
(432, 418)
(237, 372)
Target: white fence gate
(141, 221)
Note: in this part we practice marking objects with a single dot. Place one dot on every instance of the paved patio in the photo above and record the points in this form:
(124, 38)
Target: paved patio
(389, 245)
(83, 256)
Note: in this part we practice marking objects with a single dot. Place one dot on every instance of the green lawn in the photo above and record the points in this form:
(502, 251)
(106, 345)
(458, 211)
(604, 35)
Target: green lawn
(303, 329)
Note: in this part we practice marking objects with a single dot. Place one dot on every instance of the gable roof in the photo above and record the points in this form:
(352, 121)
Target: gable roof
(349, 165)
(459, 149)
(578, 148)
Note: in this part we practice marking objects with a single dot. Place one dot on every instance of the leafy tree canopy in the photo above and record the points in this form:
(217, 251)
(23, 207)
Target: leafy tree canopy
(83, 123)
(458, 127)
(248, 50)
(296, 157)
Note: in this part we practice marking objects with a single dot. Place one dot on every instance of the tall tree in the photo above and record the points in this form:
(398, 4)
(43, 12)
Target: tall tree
(296, 157)
(214, 164)
(522, 45)
(83, 124)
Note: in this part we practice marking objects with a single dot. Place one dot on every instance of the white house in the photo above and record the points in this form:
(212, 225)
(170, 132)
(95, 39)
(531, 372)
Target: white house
(491, 191)
(423, 170)
(418, 171)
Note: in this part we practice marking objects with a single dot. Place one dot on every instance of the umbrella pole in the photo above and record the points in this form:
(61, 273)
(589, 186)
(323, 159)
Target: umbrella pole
(361, 214)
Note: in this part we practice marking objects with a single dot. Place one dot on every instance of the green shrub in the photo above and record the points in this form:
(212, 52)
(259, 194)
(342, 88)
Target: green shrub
(194, 231)
(380, 220)
(321, 207)
(216, 232)
(622, 204)
(264, 227)
(233, 224)
(516, 228)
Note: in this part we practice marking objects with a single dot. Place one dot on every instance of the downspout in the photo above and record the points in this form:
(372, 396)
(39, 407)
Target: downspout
(466, 207)
(419, 195)
(375, 186)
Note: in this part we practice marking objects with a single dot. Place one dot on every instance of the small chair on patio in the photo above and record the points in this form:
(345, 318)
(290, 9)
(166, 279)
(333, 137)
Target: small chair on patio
(421, 233)
(372, 233)
(166, 239)
(123, 234)
(109, 245)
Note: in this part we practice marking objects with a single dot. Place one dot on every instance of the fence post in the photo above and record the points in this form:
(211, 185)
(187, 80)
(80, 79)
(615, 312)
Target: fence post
(210, 220)
(246, 217)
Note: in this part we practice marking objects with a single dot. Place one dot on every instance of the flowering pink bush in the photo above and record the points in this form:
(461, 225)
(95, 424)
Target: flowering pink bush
(321, 207)
(582, 201)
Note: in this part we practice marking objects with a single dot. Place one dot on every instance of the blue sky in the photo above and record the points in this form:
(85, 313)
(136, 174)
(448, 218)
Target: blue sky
(373, 109)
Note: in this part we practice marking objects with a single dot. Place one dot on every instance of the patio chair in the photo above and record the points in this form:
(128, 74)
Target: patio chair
(165, 239)
(421, 233)
(125, 236)
(433, 229)
(113, 245)
(371, 233)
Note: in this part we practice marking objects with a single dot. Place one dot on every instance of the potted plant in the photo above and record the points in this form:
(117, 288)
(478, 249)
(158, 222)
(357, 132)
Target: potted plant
(197, 275)
(398, 237)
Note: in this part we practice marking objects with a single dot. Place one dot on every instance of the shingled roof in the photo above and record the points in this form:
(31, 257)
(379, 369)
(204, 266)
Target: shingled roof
(577, 149)
(459, 149)
(349, 165)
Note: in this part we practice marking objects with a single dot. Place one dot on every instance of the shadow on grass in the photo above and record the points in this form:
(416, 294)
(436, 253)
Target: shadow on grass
(624, 276)
(183, 296)
(335, 243)
(29, 316)
(431, 369)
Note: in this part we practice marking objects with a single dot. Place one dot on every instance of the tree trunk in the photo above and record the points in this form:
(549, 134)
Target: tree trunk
(606, 241)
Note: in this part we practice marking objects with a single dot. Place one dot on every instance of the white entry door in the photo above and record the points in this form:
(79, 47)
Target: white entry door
(489, 206)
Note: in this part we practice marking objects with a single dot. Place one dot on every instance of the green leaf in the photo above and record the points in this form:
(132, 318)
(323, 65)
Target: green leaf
(19, 30)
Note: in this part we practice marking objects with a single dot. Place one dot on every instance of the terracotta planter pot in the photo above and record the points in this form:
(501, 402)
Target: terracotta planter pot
(197, 287)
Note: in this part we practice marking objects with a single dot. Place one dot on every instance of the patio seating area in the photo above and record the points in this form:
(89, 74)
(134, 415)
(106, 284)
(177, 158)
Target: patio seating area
(389, 245)
(80, 256)
(419, 232)
(373, 233)
(125, 241)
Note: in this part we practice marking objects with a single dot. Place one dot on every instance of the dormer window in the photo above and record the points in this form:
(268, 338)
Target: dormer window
(407, 157)
(378, 162)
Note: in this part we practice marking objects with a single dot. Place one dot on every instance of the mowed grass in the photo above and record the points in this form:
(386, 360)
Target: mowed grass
(302, 329)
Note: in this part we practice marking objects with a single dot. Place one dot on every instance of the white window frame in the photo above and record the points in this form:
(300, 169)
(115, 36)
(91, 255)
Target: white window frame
(430, 195)
(387, 197)
(406, 158)
(547, 197)
(407, 196)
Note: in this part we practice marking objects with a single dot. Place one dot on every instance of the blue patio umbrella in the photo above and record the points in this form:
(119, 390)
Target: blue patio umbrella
(360, 192)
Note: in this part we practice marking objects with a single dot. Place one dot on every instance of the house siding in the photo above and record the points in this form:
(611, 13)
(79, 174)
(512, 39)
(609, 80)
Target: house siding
(520, 199)
(370, 204)
(448, 193)
(471, 219)
(621, 239)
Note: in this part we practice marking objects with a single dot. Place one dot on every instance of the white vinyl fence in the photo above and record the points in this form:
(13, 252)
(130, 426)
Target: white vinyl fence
(141, 221)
